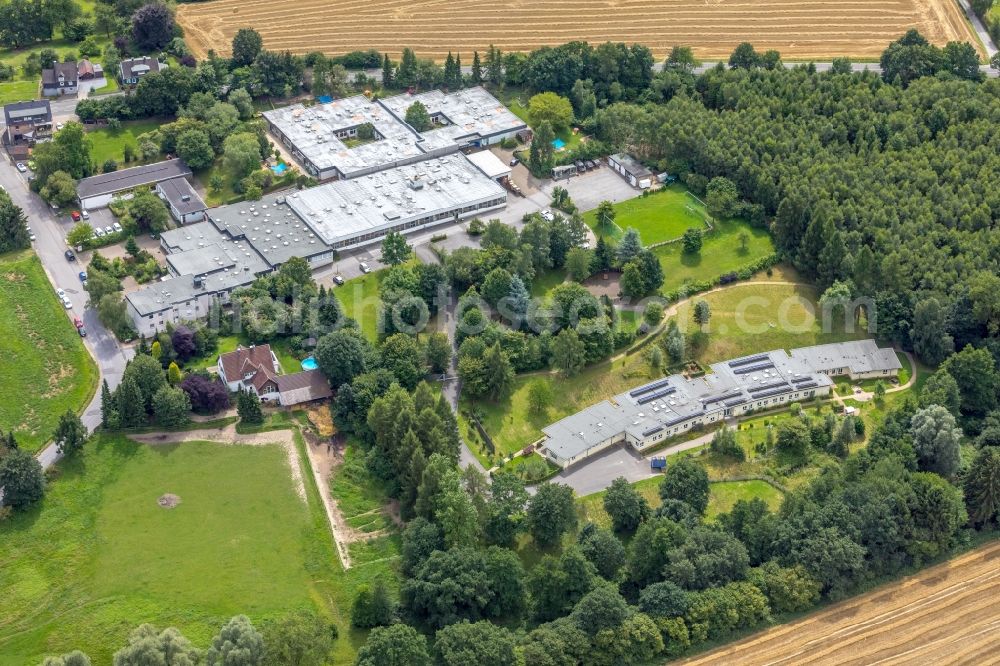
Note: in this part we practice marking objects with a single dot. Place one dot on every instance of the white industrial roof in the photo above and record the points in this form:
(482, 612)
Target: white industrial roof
(345, 208)
(489, 164)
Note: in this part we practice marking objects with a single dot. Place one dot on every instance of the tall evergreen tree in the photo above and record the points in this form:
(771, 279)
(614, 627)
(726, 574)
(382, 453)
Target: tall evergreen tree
(477, 69)
(388, 78)
(131, 405)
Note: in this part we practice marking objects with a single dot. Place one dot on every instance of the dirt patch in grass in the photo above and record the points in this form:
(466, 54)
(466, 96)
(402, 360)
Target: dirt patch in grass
(168, 501)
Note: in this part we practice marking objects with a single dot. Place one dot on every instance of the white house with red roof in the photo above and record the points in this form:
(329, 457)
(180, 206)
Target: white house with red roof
(256, 368)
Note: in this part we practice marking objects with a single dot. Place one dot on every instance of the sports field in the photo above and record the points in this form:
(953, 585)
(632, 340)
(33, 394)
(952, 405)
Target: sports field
(100, 555)
(45, 368)
(662, 216)
(803, 30)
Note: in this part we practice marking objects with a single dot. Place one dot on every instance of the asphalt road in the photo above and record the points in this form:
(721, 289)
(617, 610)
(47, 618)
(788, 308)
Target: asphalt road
(50, 245)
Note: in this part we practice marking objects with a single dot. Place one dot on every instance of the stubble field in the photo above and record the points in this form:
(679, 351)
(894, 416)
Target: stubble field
(799, 29)
(944, 615)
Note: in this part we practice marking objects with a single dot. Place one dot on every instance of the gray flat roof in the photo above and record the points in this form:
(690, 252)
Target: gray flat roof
(271, 227)
(126, 179)
(689, 398)
(632, 165)
(163, 295)
(176, 189)
(466, 115)
(345, 208)
(201, 249)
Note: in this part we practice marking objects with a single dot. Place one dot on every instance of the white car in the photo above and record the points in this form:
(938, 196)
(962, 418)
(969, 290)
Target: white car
(109, 230)
(31, 235)
(68, 303)
(117, 227)
(98, 232)
(59, 126)
(21, 167)
(365, 268)
(60, 293)
(547, 215)
(85, 214)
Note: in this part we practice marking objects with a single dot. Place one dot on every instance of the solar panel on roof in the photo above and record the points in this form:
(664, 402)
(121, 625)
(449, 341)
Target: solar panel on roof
(673, 422)
(764, 387)
(748, 359)
(768, 394)
(733, 403)
(806, 385)
(648, 387)
(655, 396)
(652, 431)
(799, 380)
(720, 398)
(753, 368)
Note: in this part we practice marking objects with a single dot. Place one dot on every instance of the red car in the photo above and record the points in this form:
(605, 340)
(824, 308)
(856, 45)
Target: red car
(75, 215)
(77, 322)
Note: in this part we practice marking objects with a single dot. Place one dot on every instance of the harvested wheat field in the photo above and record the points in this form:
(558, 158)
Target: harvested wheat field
(798, 28)
(947, 614)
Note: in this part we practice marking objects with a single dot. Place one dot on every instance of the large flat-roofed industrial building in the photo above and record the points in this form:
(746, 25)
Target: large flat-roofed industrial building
(355, 136)
(241, 241)
(650, 413)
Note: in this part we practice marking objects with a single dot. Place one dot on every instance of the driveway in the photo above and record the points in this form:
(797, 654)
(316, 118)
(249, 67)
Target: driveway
(49, 245)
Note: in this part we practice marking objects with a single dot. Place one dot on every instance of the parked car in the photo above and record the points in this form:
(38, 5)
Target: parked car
(59, 126)
(31, 235)
(547, 215)
(580, 166)
(117, 227)
(75, 215)
(514, 161)
(591, 164)
(66, 302)
(338, 278)
(83, 276)
(85, 214)
(109, 230)
(69, 255)
(60, 293)
(20, 167)
(82, 331)
(365, 268)
(98, 232)
(77, 322)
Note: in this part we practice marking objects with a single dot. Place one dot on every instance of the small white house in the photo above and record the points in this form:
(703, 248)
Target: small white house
(631, 170)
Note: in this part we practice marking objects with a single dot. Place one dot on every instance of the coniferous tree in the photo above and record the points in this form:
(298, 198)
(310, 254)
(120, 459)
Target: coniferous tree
(477, 69)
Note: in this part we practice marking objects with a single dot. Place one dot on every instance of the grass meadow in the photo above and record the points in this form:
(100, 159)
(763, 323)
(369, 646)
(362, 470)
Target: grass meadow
(46, 369)
(99, 556)
(722, 252)
(108, 144)
(661, 216)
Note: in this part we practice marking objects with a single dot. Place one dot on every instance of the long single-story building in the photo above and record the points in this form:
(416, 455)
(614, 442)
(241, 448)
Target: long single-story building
(239, 242)
(355, 136)
(98, 191)
(631, 170)
(666, 407)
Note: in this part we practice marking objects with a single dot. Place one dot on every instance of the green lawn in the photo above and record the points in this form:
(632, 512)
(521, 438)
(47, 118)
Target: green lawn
(753, 317)
(18, 91)
(722, 252)
(46, 369)
(362, 498)
(360, 299)
(660, 216)
(100, 556)
(546, 281)
(107, 144)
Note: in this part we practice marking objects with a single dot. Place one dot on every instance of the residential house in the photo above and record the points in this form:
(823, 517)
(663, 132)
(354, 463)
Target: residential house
(61, 79)
(132, 69)
(184, 203)
(27, 122)
(87, 70)
(256, 369)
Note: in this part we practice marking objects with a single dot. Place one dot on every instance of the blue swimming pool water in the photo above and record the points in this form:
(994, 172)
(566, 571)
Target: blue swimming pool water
(558, 144)
(279, 168)
(309, 363)
(324, 99)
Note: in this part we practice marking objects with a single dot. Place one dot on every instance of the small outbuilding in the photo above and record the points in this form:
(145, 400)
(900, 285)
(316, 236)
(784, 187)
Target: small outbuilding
(491, 165)
(183, 202)
(631, 170)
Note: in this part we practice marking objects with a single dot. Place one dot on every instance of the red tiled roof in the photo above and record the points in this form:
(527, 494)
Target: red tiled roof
(234, 362)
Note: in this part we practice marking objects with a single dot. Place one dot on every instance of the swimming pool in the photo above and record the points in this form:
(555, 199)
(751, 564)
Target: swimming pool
(558, 144)
(309, 363)
(279, 168)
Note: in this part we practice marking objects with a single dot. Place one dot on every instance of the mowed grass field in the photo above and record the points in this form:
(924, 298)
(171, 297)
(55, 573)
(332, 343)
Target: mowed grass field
(797, 29)
(722, 252)
(662, 216)
(100, 556)
(754, 317)
(108, 144)
(45, 369)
